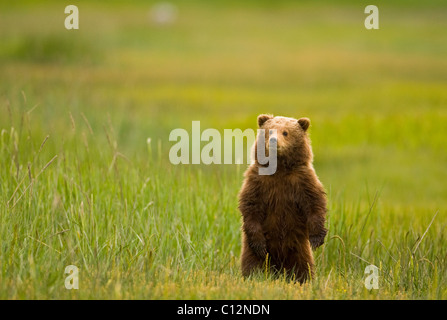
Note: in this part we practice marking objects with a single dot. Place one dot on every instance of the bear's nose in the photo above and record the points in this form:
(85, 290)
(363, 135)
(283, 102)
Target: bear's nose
(273, 140)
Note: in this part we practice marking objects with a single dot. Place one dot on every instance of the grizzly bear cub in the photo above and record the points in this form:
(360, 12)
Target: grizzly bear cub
(283, 213)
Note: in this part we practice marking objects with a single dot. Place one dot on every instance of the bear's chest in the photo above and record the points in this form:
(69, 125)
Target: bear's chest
(283, 205)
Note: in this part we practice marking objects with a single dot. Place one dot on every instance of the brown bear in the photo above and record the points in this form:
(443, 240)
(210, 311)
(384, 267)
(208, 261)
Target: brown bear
(283, 213)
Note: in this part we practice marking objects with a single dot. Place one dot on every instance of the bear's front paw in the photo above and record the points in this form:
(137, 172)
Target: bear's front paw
(259, 249)
(317, 239)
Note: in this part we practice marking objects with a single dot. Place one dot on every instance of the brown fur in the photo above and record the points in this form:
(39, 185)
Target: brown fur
(284, 213)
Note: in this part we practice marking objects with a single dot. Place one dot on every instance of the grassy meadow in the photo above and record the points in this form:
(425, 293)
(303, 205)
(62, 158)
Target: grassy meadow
(85, 117)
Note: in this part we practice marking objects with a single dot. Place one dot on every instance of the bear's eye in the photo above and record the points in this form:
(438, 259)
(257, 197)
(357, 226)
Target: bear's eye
(285, 133)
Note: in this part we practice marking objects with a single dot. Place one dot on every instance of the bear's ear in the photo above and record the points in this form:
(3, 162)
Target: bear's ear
(304, 123)
(263, 118)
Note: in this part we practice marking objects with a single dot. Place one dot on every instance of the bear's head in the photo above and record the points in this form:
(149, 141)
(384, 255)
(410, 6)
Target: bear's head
(293, 143)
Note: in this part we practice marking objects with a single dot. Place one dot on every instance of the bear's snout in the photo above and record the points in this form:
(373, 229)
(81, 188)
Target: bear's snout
(273, 137)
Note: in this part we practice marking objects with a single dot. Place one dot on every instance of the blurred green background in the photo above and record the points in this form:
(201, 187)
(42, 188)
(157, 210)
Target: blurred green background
(377, 99)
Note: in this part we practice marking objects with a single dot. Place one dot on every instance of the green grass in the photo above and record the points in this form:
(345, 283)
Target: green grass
(80, 185)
